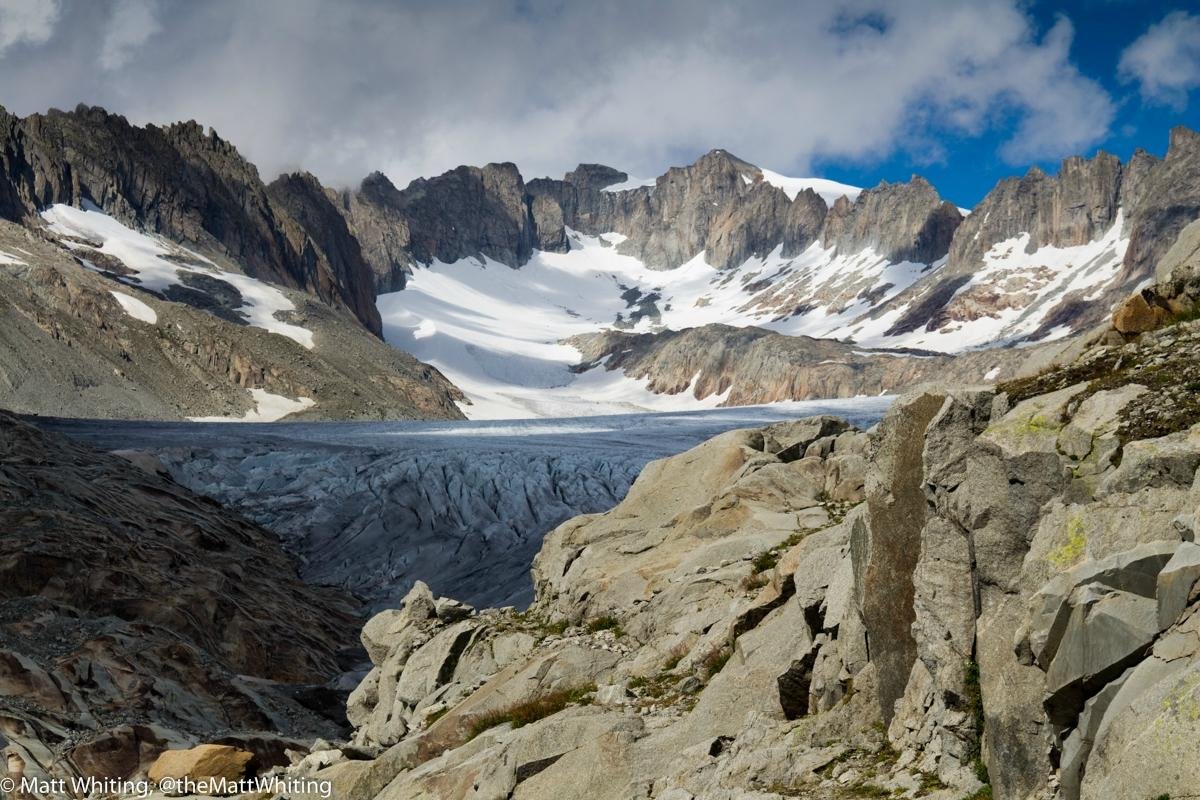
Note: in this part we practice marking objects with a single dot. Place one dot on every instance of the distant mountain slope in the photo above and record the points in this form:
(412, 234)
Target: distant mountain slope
(97, 320)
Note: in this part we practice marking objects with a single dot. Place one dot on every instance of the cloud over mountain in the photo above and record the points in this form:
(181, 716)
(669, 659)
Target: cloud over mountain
(345, 88)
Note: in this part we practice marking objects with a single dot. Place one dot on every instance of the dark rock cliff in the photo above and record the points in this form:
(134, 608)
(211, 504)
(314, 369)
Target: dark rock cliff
(180, 181)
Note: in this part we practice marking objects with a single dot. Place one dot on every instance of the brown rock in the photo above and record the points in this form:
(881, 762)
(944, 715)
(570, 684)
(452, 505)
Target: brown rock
(1137, 315)
(202, 761)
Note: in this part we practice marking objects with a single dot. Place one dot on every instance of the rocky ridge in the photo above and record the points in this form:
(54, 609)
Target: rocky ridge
(182, 182)
(749, 366)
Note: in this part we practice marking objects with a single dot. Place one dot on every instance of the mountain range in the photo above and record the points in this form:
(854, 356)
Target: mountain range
(150, 272)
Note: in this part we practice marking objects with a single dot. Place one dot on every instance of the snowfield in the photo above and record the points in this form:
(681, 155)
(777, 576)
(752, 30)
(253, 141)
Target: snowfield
(498, 332)
(149, 259)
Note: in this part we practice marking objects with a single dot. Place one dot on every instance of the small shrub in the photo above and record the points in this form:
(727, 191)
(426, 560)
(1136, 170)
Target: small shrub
(606, 623)
(765, 560)
(715, 661)
(531, 710)
(556, 628)
(674, 656)
(754, 581)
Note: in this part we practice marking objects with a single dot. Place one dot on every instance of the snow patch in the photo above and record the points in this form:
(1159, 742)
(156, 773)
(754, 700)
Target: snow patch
(829, 190)
(498, 332)
(268, 408)
(7, 258)
(136, 308)
(629, 183)
(148, 257)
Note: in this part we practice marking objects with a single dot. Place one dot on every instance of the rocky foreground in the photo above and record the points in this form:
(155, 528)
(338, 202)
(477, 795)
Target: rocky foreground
(995, 592)
(137, 617)
(992, 593)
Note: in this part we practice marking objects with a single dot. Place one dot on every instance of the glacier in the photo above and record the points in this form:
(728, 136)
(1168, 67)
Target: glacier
(373, 507)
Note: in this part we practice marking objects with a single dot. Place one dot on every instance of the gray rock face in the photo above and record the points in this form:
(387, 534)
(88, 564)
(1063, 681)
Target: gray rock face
(1161, 200)
(901, 221)
(886, 546)
(191, 186)
(754, 365)
(804, 222)
(722, 206)
(1072, 208)
(324, 236)
(467, 212)
(382, 231)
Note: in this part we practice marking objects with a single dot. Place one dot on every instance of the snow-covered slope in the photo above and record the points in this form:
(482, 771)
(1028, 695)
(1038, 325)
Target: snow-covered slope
(497, 332)
(160, 266)
(1009, 298)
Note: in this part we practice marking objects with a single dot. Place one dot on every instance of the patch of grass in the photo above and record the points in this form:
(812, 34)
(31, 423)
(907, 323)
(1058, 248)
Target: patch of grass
(534, 623)
(929, 783)
(606, 623)
(867, 790)
(674, 656)
(982, 793)
(435, 716)
(654, 688)
(532, 710)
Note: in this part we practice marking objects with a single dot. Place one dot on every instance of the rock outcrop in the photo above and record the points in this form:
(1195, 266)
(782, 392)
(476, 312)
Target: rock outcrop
(136, 617)
(1147, 200)
(901, 221)
(749, 366)
(996, 585)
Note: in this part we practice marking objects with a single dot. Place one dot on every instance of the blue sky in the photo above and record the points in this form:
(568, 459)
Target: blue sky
(964, 92)
(1103, 29)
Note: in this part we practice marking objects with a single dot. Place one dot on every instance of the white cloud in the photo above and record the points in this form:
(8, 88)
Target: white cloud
(418, 88)
(28, 21)
(131, 24)
(1165, 60)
